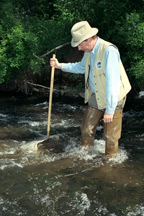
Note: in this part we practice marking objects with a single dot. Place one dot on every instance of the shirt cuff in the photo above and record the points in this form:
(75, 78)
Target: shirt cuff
(110, 110)
(64, 67)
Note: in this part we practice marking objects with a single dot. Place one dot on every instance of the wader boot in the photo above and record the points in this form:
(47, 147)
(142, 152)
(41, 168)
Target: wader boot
(112, 133)
(88, 127)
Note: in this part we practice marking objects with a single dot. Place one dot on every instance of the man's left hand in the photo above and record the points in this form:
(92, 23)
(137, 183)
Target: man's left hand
(108, 118)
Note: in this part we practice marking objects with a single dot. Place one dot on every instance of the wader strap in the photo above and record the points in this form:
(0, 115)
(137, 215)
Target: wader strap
(87, 82)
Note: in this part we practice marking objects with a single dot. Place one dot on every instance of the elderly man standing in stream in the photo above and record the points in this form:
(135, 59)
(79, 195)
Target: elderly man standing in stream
(106, 85)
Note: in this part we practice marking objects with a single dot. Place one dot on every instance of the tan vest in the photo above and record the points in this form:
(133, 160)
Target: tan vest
(99, 77)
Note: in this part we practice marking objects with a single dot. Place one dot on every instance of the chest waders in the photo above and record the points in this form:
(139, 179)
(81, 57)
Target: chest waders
(112, 133)
(89, 124)
(97, 102)
(112, 130)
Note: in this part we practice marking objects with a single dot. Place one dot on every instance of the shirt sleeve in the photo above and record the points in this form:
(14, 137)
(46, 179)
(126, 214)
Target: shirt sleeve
(112, 70)
(77, 68)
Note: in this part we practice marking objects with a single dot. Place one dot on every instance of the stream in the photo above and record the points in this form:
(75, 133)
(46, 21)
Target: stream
(75, 182)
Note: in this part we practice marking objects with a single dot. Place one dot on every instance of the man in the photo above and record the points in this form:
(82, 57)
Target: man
(106, 84)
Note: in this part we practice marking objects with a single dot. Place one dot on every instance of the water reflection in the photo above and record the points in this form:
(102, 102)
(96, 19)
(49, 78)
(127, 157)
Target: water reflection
(77, 181)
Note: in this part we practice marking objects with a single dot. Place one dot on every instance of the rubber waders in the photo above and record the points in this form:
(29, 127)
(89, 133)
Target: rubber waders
(112, 133)
(112, 130)
(89, 124)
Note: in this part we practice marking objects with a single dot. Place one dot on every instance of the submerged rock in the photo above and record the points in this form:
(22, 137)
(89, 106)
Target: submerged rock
(54, 144)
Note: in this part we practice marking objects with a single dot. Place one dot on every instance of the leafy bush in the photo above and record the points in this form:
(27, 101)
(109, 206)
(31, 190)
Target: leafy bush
(24, 38)
(18, 47)
(138, 71)
(134, 34)
(30, 29)
(119, 22)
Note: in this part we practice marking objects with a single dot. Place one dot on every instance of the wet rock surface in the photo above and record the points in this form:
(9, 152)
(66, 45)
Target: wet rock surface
(56, 145)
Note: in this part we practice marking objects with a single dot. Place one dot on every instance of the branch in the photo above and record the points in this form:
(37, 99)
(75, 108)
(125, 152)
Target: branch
(53, 50)
(41, 86)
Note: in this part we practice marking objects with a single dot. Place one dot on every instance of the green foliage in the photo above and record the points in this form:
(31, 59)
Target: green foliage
(50, 33)
(18, 48)
(25, 37)
(135, 30)
(28, 29)
(72, 10)
(39, 8)
(134, 36)
(138, 71)
(3, 65)
(121, 22)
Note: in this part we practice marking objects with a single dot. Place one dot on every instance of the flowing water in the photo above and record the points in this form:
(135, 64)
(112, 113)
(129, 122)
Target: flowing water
(76, 182)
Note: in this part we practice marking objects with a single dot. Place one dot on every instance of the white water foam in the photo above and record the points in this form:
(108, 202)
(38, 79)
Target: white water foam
(118, 158)
(29, 147)
(101, 210)
(64, 123)
(137, 210)
(81, 203)
(44, 105)
(141, 94)
(25, 153)
(31, 156)
(95, 152)
(63, 107)
(46, 201)
(33, 123)
(9, 163)
(8, 207)
(10, 152)
(3, 115)
(1, 201)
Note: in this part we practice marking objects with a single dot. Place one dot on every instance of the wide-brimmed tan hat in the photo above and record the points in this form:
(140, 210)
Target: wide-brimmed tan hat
(82, 31)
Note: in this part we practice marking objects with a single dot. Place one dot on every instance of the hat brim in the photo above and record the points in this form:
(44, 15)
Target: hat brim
(93, 32)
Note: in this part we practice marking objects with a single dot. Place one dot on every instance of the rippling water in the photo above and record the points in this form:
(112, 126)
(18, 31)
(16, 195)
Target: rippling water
(77, 181)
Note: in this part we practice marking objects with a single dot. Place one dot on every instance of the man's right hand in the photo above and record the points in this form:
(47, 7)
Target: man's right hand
(55, 63)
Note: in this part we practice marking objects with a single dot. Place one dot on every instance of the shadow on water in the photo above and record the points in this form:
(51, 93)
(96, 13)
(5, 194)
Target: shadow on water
(76, 181)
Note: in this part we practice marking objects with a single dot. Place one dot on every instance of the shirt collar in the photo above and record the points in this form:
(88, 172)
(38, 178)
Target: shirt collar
(94, 50)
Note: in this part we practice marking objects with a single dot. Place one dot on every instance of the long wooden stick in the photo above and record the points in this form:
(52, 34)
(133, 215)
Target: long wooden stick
(50, 99)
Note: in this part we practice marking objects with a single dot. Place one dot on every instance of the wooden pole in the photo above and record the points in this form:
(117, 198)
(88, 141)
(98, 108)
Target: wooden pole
(50, 99)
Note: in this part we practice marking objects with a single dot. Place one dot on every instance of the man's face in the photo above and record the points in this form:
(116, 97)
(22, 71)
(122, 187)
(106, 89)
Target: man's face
(86, 45)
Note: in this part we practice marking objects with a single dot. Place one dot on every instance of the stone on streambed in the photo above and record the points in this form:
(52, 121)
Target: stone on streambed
(53, 144)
